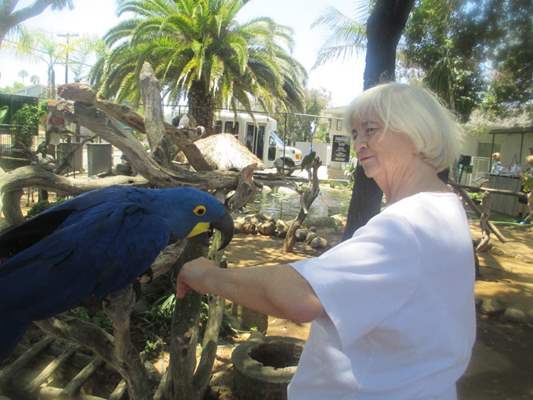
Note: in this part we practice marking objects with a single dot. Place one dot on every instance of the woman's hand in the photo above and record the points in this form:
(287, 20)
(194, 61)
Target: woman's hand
(195, 275)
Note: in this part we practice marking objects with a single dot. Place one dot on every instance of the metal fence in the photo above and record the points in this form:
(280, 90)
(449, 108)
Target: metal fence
(5, 143)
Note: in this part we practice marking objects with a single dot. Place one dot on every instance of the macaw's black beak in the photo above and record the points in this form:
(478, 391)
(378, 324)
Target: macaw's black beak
(225, 226)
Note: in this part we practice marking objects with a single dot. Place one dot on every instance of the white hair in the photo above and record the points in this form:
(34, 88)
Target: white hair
(415, 111)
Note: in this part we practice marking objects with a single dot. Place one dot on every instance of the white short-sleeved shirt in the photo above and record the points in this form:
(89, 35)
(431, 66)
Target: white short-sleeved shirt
(399, 299)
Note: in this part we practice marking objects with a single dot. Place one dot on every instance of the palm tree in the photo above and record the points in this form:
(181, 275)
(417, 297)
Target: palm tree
(23, 74)
(42, 47)
(82, 51)
(35, 80)
(347, 34)
(199, 51)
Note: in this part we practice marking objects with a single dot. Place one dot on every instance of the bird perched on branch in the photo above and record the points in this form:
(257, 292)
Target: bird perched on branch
(93, 245)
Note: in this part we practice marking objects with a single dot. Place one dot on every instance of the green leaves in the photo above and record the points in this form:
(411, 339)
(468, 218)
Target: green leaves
(26, 124)
(472, 54)
(3, 113)
(200, 41)
(347, 35)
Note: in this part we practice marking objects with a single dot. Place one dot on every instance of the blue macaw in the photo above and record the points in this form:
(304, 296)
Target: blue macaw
(93, 245)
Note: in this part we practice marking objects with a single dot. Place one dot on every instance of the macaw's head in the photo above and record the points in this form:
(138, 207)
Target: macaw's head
(200, 212)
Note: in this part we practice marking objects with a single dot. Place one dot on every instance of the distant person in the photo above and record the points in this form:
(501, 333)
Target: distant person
(497, 166)
(392, 308)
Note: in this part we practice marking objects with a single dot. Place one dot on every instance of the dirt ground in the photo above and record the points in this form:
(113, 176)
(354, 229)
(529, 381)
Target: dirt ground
(502, 362)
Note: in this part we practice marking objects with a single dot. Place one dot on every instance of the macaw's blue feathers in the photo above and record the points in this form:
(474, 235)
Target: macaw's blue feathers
(23, 236)
(92, 245)
(10, 333)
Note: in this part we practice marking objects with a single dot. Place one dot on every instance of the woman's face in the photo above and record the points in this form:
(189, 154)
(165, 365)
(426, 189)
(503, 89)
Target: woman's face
(382, 155)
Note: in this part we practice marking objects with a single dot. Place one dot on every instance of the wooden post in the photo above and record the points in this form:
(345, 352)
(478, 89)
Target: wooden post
(307, 197)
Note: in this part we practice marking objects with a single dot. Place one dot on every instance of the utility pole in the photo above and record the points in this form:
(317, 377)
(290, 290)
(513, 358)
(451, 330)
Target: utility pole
(68, 36)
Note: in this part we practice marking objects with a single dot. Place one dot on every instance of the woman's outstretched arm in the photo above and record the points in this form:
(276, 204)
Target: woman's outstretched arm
(273, 290)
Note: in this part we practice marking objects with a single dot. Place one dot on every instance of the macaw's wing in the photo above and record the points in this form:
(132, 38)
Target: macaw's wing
(30, 232)
(35, 229)
(80, 260)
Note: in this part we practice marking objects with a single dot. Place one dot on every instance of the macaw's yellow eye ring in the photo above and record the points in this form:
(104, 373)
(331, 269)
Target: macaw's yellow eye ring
(199, 210)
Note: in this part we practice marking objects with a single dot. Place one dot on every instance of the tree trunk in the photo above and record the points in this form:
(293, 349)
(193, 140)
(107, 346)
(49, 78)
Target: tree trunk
(51, 82)
(384, 29)
(202, 106)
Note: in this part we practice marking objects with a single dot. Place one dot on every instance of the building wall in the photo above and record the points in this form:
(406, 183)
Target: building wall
(508, 145)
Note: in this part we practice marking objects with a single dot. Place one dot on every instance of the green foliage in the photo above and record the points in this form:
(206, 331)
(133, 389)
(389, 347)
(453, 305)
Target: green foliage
(13, 88)
(527, 181)
(442, 40)
(472, 53)
(26, 125)
(482, 120)
(158, 317)
(152, 347)
(299, 128)
(347, 35)
(199, 50)
(40, 206)
(3, 113)
(510, 48)
(475, 196)
(98, 318)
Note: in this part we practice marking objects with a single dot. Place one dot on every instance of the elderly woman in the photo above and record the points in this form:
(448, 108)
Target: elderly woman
(392, 309)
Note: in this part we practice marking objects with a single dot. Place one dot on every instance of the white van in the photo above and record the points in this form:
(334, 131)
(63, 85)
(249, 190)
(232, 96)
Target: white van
(260, 135)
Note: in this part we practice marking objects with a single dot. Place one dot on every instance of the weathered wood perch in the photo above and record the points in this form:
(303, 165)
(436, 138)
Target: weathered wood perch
(307, 196)
(461, 191)
(156, 170)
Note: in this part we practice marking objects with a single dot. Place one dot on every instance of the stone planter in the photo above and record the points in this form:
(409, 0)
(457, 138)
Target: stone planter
(264, 368)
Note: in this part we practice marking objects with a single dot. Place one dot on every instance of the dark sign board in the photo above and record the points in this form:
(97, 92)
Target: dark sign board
(340, 148)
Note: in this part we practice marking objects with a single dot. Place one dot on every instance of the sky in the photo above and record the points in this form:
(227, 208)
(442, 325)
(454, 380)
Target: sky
(95, 17)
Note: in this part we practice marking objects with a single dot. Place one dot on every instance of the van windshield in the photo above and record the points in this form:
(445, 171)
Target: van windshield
(276, 138)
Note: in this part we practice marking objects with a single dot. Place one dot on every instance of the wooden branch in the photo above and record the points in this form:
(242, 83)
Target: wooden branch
(119, 391)
(183, 341)
(483, 245)
(73, 387)
(84, 334)
(165, 261)
(306, 200)
(30, 11)
(36, 176)
(159, 176)
(53, 393)
(12, 183)
(479, 212)
(118, 308)
(11, 205)
(214, 322)
(184, 336)
(7, 373)
(81, 93)
(246, 189)
(34, 385)
(153, 114)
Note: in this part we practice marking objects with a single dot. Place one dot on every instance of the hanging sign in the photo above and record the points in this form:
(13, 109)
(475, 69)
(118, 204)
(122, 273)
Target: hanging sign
(340, 148)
